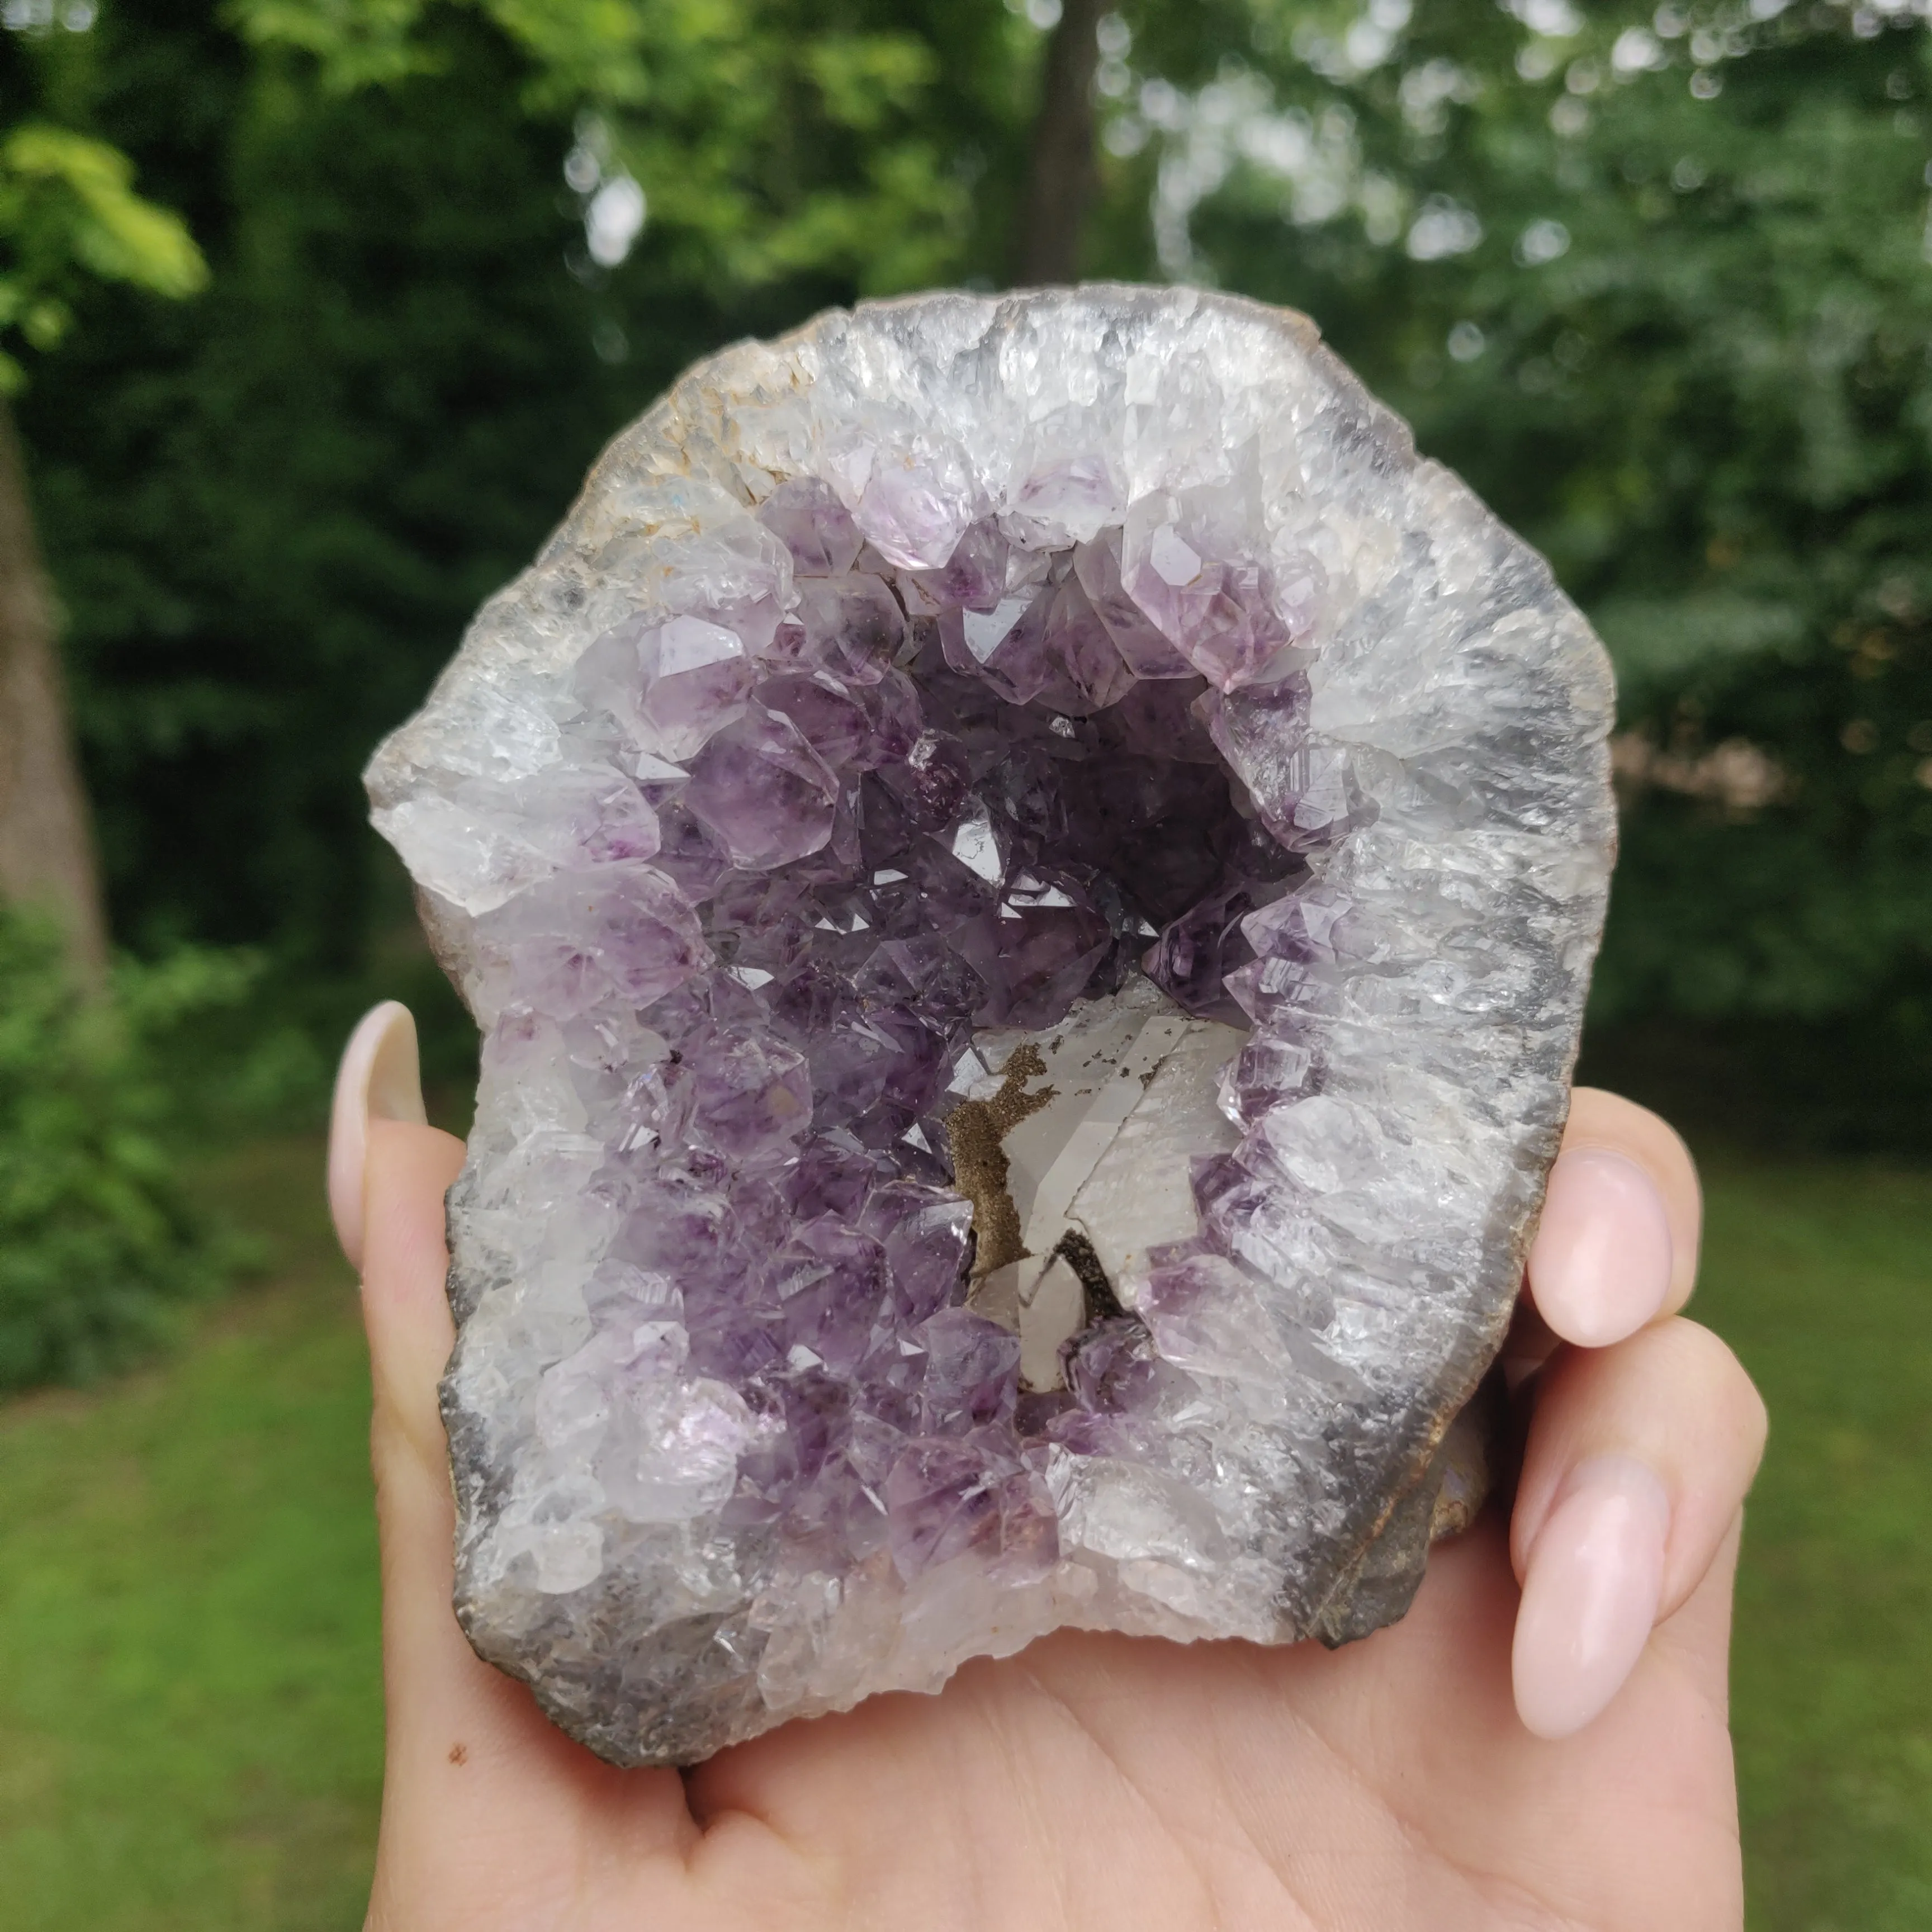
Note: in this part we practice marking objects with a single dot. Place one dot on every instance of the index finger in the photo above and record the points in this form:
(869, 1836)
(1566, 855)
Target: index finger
(1617, 1246)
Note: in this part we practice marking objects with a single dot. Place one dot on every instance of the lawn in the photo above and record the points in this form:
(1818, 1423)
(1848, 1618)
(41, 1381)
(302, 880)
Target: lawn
(191, 1719)
(190, 1723)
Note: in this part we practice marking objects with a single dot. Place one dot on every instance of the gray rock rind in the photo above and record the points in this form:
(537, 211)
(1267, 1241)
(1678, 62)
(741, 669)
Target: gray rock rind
(1457, 708)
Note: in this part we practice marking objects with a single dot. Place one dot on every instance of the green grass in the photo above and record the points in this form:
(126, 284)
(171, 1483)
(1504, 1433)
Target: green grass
(1822, 1280)
(190, 1717)
(190, 1720)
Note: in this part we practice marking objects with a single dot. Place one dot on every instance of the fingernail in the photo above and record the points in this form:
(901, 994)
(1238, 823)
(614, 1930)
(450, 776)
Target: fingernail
(1595, 1580)
(378, 1080)
(1600, 1265)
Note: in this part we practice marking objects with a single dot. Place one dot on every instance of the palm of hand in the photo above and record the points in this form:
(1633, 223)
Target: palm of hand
(1105, 1782)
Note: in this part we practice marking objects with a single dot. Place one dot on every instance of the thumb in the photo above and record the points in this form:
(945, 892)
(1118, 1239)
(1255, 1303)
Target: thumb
(481, 1794)
(388, 1172)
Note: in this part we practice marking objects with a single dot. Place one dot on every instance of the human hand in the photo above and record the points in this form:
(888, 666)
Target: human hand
(1115, 1782)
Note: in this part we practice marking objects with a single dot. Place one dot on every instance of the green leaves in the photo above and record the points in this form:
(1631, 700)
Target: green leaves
(110, 229)
(354, 42)
(98, 1246)
(866, 80)
(767, 144)
(68, 209)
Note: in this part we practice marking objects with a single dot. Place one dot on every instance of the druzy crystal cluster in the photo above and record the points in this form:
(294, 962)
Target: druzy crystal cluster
(1028, 874)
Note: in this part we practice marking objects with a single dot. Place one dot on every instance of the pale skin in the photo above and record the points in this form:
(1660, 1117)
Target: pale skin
(1116, 1783)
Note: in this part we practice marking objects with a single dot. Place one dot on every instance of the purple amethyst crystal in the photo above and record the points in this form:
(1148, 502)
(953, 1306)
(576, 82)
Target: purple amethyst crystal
(1028, 875)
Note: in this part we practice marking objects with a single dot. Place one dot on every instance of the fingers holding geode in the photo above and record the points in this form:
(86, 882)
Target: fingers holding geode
(1636, 1467)
(1617, 1246)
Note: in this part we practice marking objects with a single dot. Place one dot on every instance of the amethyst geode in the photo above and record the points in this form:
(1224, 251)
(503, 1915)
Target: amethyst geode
(1028, 874)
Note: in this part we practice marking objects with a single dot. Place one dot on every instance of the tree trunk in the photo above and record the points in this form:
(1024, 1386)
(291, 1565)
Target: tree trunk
(1060, 183)
(46, 841)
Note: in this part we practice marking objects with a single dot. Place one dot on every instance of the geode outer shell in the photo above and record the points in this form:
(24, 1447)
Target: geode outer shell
(943, 665)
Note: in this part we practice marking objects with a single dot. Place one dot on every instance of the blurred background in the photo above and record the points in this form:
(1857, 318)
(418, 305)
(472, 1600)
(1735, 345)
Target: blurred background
(313, 313)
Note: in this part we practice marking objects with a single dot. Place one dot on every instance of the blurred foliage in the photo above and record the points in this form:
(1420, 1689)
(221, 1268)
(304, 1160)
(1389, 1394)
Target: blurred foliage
(776, 138)
(1656, 282)
(68, 211)
(67, 207)
(99, 1246)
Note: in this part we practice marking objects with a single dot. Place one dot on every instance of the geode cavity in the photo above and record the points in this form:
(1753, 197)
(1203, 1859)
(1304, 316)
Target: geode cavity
(1028, 874)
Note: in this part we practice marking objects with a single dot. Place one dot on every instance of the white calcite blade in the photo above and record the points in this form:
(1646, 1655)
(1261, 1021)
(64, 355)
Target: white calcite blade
(1128, 1088)
(1140, 1194)
(1028, 875)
